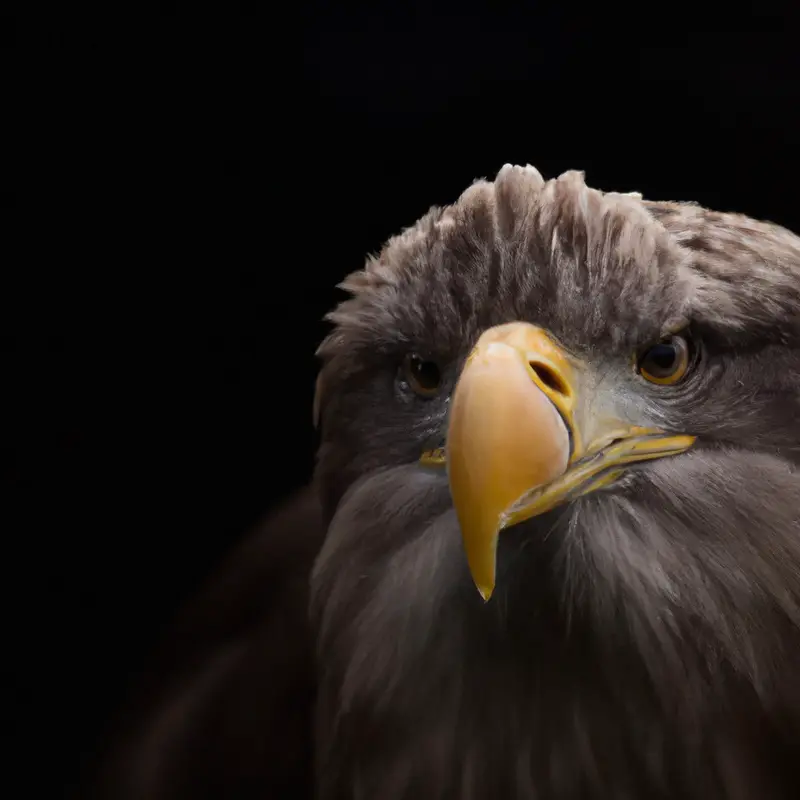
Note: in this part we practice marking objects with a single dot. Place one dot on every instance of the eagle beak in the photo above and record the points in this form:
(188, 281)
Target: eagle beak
(514, 448)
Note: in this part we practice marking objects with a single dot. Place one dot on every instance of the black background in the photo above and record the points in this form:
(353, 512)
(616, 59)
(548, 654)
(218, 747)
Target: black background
(191, 185)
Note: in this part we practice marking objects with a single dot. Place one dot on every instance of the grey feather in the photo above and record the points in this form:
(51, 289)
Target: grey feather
(643, 641)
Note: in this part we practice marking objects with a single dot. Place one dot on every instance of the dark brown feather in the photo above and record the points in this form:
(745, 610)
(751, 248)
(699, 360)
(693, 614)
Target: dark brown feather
(224, 710)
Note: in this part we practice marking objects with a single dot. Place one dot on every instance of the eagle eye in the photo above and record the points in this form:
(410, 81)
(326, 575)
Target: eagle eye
(422, 376)
(665, 363)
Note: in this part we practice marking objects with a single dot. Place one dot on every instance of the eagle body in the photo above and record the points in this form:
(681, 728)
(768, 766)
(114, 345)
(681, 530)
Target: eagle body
(636, 633)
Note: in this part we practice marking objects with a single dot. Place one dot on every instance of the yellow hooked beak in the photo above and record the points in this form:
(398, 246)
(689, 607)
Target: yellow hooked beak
(515, 448)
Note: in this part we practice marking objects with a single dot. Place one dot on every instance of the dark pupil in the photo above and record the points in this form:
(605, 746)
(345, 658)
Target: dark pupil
(426, 373)
(661, 358)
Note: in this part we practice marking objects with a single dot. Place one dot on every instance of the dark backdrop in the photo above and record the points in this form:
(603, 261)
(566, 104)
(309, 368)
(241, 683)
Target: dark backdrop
(192, 186)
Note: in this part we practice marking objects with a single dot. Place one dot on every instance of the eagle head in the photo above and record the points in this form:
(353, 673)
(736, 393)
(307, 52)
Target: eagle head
(559, 449)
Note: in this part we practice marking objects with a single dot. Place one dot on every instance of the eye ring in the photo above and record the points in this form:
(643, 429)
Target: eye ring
(422, 376)
(667, 362)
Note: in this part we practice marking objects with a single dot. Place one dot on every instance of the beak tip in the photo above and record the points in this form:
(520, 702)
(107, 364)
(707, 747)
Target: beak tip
(481, 562)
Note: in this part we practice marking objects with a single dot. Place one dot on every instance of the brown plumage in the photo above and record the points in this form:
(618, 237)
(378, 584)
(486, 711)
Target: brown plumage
(223, 710)
(643, 640)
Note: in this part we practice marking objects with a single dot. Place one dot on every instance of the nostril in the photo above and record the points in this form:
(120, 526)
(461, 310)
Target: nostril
(550, 378)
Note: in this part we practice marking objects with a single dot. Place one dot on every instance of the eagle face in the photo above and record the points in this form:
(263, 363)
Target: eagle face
(584, 406)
